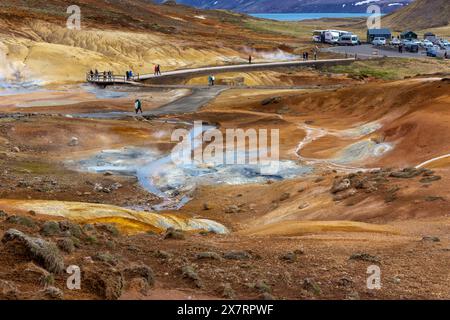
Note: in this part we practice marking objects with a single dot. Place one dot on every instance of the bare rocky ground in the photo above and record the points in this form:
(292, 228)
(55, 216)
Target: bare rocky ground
(312, 237)
(150, 266)
(308, 238)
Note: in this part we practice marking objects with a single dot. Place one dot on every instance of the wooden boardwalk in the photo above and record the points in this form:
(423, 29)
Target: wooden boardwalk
(102, 79)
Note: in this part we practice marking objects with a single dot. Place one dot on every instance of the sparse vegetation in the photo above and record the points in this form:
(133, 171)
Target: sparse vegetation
(391, 68)
(43, 252)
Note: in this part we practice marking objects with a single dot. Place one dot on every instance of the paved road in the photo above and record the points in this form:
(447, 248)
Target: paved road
(230, 68)
(367, 50)
(187, 104)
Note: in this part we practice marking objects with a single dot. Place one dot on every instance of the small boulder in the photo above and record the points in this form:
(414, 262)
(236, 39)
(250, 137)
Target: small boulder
(312, 286)
(108, 283)
(340, 185)
(262, 286)
(74, 142)
(189, 272)
(406, 173)
(431, 239)
(140, 271)
(237, 255)
(430, 179)
(172, 233)
(227, 291)
(365, 257)
(206, 206)
(344, 194)
(232, 209)
(208, 256)
(289, 257)
(271, 100)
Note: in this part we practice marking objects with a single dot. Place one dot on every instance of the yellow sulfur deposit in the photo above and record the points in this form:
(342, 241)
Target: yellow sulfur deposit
(128, 221)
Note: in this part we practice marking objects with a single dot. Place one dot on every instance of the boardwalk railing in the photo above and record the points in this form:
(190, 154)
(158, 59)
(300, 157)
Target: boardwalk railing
(105, 79)
(109, 78)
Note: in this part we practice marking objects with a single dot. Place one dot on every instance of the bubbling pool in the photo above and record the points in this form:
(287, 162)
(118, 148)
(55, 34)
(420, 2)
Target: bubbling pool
(175, 183)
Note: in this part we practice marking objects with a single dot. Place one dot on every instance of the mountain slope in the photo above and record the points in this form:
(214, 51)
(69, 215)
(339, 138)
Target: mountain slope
(270, 6)
(117, 35)
(420, 14)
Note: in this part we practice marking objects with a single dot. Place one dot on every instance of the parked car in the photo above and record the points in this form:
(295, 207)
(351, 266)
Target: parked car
(426, 44)
(443, 44)
(395, 42)
(412, 47)
(432, 51)
(406, 41)
(379, 41)
(348, 40)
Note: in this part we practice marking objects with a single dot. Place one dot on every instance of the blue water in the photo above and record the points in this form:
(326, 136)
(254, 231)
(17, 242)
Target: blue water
(305, 16)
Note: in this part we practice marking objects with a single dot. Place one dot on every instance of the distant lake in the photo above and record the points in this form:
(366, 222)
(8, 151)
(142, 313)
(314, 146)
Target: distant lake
(305, 16)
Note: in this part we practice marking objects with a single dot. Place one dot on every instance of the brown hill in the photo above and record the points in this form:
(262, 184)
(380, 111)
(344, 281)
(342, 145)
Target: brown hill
(420, 14)
(118, 35)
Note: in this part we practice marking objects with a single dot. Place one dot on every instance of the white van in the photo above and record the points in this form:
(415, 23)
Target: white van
(331, 36)
(318, 35)
(348, 40)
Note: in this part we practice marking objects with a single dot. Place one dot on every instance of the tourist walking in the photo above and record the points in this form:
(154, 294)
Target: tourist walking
(138, 106)
(250, 59)
(158, 70)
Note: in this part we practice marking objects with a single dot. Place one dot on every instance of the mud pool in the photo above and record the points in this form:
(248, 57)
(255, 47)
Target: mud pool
(175, 183)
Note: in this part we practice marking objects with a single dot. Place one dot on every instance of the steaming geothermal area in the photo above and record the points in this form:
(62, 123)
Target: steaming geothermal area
(362, 179)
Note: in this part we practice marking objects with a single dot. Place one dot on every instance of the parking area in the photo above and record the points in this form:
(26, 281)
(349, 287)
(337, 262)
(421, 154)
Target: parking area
(369, 51)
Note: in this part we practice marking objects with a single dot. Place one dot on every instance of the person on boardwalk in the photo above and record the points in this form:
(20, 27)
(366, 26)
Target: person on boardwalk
(249, 59)
(158, 70)
(213, 80)
(155, 70)
(96, 74)
(209, 80)
(138, 106)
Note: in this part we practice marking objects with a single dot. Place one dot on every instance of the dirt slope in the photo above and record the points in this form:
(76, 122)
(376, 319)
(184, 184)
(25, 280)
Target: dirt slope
(420, 14)
(35, 44)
